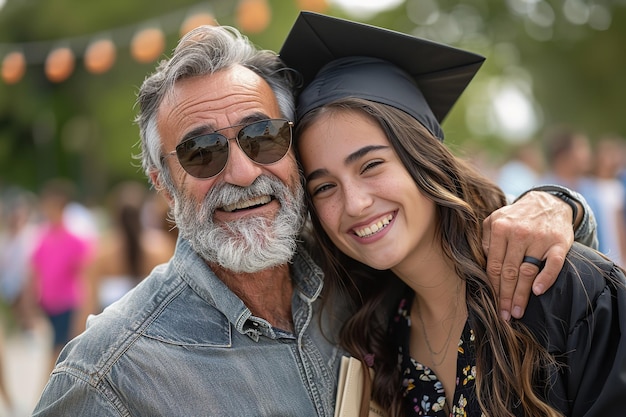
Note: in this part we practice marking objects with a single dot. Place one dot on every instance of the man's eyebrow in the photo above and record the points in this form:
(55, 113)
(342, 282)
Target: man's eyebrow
(197, 131)
(351, 158)
(211, 128)
(254, 117)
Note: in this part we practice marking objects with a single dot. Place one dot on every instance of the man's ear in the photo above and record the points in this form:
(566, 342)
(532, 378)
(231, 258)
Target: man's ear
(155, 177)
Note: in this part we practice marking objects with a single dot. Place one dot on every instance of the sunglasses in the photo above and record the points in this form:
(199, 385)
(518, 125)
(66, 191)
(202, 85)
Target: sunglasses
(265, 142)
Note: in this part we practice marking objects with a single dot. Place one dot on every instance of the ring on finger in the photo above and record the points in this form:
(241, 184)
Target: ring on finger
(532, 260)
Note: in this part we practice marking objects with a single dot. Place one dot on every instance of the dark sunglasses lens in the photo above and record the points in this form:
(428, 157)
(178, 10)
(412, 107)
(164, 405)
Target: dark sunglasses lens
(267, 141)
(204, 156)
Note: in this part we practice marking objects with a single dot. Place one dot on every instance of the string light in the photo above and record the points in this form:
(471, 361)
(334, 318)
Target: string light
(253, 16)
(196, 20)
(147, 45)
(144, 41)
(100, 56)
(13, 67)
(59, 64)
(319, 6)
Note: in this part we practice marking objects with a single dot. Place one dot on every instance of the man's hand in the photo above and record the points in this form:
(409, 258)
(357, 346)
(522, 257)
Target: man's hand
(537, 225)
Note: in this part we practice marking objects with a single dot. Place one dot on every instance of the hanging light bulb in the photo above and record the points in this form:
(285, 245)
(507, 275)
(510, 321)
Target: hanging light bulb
(100, 56)
(59, 64)
(196, 20)
(253, 16)
(13, 67)
(318, 6)
(147, 45)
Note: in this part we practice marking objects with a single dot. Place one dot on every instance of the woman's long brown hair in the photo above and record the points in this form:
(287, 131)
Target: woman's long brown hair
(511, 365)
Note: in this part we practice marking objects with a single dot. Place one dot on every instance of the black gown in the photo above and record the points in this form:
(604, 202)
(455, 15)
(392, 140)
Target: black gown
(582, 321)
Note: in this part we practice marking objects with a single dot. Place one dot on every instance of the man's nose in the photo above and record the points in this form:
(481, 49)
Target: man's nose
(240, 170)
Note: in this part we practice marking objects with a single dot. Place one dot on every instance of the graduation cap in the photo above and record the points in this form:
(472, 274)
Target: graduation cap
(339, 58)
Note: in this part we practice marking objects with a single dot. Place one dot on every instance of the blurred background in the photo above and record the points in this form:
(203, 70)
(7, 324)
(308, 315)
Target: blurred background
(70, 70)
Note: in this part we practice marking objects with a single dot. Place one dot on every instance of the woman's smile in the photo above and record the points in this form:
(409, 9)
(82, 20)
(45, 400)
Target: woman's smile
(373, 228)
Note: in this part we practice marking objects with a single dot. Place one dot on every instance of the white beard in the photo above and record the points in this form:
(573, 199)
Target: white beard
(250, 244)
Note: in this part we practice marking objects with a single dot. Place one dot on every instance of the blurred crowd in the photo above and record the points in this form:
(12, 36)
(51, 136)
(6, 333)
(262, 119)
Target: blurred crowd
(595, 167)
(61, 260)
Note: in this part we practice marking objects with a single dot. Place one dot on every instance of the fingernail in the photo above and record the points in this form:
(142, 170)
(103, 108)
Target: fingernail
(518, 312)
(538, 289)
(505, 314)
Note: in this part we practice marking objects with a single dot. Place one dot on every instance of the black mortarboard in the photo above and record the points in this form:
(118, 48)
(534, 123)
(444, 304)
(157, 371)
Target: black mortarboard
(338, 58)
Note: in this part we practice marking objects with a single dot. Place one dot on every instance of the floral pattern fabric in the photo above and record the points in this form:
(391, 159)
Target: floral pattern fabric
(423, 392)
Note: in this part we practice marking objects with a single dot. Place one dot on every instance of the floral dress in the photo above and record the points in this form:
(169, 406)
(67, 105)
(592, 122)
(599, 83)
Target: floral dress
(423, 392)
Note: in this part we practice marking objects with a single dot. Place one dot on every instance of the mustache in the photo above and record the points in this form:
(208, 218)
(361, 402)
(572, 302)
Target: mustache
(224, 194)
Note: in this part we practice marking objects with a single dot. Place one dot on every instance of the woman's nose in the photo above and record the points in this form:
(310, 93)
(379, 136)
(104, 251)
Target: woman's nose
(356, 199)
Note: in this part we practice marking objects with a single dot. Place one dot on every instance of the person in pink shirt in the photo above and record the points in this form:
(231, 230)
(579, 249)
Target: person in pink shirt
(57, 264)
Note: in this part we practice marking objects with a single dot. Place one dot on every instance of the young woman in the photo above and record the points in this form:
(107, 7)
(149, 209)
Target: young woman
(399, 218)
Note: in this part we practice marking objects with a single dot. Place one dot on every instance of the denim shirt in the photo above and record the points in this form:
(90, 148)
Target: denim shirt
(182, 344)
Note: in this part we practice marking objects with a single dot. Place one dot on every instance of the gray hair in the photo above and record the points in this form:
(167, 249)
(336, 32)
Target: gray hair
(205, 50)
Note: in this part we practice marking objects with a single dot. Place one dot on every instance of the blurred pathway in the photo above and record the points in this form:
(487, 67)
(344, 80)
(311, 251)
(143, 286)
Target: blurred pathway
(26, 361)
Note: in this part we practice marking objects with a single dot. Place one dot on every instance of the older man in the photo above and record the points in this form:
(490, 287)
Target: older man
(231, 326)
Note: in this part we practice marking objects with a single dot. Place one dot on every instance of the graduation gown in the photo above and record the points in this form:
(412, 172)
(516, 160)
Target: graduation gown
(582, 322)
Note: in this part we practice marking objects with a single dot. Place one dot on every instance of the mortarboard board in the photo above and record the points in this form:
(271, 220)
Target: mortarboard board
(337, 58)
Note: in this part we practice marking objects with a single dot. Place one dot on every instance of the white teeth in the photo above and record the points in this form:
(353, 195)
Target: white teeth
(374, 227)
(264, 199)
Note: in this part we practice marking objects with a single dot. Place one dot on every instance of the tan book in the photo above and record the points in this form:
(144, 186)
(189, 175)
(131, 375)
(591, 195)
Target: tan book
(350, 390)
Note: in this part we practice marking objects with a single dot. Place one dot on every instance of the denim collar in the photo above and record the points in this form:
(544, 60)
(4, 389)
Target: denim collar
(307, 278)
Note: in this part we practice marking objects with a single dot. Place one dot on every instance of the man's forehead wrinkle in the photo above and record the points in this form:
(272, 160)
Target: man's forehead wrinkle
(211, 99)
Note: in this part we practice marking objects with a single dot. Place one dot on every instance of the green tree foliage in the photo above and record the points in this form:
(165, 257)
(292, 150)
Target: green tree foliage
(83, 128)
